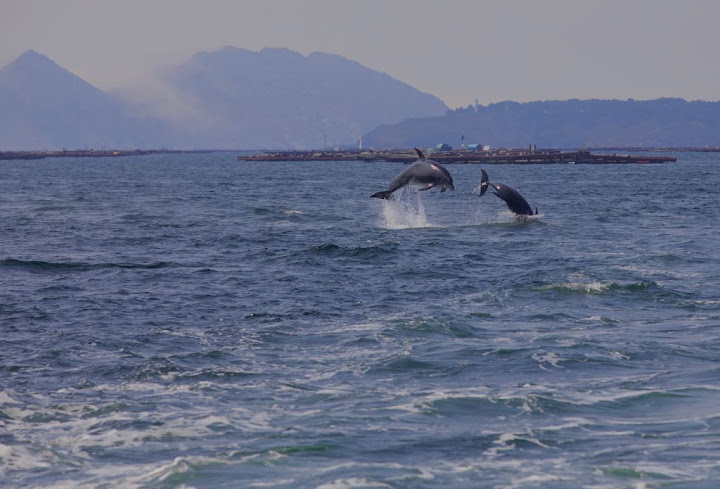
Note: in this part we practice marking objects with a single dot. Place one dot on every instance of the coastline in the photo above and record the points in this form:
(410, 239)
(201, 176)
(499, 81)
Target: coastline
(89, 153)
(459, 156)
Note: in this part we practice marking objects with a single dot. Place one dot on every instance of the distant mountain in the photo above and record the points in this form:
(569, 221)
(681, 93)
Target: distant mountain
(562, 124)
(229, 99)
(44, 106)
(277, 98)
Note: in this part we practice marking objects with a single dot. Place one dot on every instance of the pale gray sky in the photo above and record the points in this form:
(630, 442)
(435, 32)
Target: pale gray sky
(459, 50)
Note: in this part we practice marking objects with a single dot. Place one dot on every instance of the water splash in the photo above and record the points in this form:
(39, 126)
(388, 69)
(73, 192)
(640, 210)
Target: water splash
(405, 211)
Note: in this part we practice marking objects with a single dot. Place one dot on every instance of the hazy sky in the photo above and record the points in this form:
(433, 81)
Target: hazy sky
(459, 50)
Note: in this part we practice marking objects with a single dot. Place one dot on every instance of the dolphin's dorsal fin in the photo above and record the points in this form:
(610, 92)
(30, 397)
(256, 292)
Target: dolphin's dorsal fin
(420, 154)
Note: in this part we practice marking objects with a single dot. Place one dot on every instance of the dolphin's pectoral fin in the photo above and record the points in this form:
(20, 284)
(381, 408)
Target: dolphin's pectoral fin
(443, 189)
(428, 187)
(385, 194)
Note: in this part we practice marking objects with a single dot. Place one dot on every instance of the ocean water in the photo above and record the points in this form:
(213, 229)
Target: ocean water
(190, 321)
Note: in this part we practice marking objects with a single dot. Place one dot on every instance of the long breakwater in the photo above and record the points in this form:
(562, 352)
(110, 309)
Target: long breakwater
(462, 156)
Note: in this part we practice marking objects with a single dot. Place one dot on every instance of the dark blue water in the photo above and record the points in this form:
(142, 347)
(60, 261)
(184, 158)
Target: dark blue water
(194, 321)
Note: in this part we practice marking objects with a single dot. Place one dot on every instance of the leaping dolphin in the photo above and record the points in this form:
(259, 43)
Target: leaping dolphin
(423, 172)
(515, 202)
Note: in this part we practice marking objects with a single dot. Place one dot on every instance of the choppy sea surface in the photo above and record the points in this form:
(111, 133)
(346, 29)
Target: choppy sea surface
(191, 321)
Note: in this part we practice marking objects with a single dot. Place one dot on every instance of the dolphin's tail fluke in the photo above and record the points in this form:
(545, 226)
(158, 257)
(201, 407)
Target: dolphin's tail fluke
(484, 183)
(536, 211)
(385, 194)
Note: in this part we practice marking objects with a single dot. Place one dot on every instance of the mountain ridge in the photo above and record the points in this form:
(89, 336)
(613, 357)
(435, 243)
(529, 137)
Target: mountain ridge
(278, 98)
(573, 123)
(45, 106)
(239, 99)
(232, 98)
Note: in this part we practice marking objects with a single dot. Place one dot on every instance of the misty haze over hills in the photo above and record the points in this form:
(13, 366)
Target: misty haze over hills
(44, 106)
(229, 99)
(278, 99)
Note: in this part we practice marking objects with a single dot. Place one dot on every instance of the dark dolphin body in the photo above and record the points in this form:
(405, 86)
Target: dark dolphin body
(515, 202)
(423, 172)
